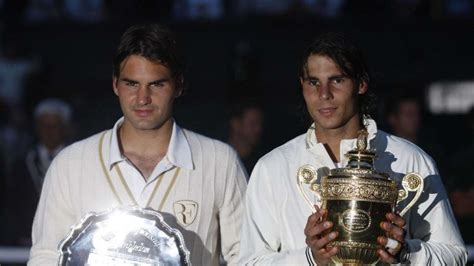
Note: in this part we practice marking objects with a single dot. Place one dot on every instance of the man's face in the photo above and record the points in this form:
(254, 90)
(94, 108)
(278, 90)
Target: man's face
(330, 96)
(51, 129)
(146, 92)
(407, 120)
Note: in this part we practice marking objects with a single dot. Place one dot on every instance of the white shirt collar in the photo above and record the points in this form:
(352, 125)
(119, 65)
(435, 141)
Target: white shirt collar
(178, 154)
(311, 139)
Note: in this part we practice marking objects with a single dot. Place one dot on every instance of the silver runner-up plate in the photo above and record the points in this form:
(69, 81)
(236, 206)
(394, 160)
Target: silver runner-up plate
(124, 236)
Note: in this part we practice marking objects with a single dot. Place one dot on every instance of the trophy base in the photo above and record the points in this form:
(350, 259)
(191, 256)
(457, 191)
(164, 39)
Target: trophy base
(352, 253)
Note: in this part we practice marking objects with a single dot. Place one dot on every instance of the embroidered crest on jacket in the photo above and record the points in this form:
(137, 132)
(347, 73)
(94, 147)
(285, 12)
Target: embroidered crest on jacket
(185, 211)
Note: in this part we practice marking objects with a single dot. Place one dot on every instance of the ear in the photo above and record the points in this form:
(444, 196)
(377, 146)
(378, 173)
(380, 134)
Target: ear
(178, 92)
(114, 85)
(301, 81)
(363, 87)
(179, 84)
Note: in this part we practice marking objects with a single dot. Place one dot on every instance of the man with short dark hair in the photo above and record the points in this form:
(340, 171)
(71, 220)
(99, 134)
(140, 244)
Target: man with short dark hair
(278, 226)
(146, 160)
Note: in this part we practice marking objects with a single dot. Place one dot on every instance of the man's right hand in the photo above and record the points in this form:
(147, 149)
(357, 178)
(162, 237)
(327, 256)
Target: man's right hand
(318, 236)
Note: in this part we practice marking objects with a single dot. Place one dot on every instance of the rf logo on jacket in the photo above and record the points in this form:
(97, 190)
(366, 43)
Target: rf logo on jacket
(185, 211)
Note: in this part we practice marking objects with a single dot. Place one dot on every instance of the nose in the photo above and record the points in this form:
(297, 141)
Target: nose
(324, 92)
(143, 96)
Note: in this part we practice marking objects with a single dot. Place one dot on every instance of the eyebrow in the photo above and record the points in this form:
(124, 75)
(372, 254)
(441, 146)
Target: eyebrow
(337, 77)
(308, 77)
(158, 81)
(330, 78)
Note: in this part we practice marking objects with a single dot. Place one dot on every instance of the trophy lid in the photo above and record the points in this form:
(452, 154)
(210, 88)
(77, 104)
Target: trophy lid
(361, 160)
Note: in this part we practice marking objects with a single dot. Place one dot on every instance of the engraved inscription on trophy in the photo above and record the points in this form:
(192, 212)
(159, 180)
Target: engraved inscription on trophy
(355, 220)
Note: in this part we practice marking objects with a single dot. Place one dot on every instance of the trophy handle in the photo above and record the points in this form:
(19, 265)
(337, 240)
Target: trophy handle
(410, 182)
(307, 175)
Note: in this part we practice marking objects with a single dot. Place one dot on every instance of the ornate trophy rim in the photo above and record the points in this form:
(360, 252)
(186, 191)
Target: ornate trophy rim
(359, 173)
(91, 218)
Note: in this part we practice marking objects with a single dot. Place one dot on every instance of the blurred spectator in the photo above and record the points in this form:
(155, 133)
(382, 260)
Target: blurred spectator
(456, 8)
(323, 8)
(404, 117)
(245, 132)
(327, 8)
(404, 113)
(25, 178)
(14, 70)
(14, 134)
(43, 10)
(84, 10)
(461, 182)
(198, 9)
(52, 10)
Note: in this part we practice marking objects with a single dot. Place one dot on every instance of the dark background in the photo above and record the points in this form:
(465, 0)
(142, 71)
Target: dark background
(77, 67)
(409, 44)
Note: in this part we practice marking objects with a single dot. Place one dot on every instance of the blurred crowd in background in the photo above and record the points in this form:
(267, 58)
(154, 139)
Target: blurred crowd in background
(55, 80)
(94, 11)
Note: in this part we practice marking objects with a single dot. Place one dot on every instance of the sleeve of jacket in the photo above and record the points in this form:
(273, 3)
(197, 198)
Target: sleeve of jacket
(231, 209)
(260, 238)
(435, 237)
(53, 216)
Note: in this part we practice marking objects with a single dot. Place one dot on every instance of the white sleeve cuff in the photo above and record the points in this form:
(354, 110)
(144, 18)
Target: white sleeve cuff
(309, 257)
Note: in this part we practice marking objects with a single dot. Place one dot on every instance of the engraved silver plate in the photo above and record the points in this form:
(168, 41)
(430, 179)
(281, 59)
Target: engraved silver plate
(124, 236)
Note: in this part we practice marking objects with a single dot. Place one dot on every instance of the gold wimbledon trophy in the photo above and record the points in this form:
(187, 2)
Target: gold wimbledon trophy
(357, 198)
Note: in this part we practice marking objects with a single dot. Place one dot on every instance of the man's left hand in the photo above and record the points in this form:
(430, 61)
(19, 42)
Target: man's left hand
(394, 237)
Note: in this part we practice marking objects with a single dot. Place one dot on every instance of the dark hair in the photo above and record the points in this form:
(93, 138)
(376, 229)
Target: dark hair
(350, 60)
(154, 42)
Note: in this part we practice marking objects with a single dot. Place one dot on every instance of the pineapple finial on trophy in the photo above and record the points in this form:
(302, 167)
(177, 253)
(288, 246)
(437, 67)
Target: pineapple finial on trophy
(362, 140)
(361, 157)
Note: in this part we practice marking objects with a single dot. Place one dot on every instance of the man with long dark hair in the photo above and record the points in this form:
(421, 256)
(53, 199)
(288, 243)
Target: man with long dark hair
(278, 226)
(146, 160)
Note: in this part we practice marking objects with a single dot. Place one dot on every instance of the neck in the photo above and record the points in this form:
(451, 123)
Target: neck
(145, 143)
(145, 148)
(331, 138)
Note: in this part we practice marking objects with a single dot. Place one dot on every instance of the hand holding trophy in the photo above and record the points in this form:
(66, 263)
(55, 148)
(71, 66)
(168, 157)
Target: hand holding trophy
(318, 236)
(357, 199)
